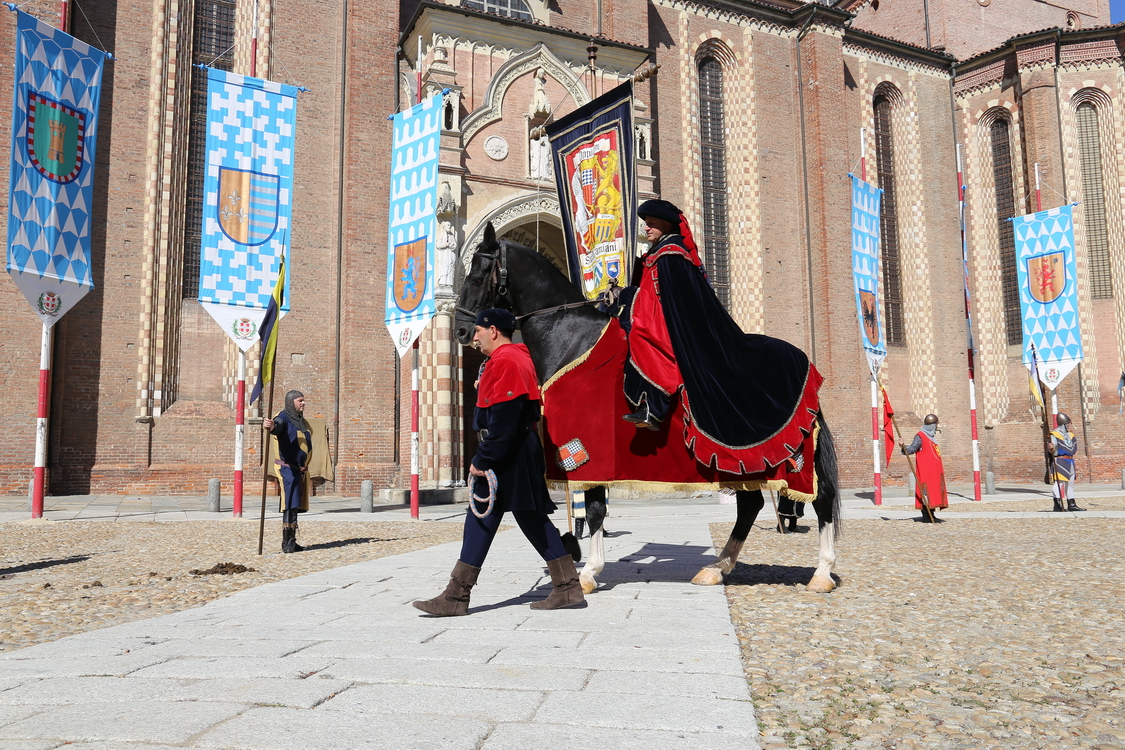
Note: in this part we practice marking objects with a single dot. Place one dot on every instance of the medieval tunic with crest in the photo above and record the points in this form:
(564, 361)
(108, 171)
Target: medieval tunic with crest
(507, 410)
(295, 447)
(931, 471)
(1066, 445)
(749, 400)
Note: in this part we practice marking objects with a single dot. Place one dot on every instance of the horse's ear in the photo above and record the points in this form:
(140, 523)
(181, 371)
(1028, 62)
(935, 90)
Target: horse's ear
(489, 235)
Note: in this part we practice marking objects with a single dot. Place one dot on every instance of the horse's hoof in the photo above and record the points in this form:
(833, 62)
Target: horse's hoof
(821, 585)
(588, 584)
(708, 577)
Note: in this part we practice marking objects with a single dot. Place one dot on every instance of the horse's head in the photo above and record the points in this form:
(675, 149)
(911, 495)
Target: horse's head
(485, 285)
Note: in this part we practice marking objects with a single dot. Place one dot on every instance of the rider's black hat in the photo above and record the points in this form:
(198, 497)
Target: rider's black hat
(660, 210)
(495, 316)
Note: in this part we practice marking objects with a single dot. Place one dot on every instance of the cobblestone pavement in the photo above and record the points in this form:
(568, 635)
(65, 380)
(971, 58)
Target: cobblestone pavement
(62, 578)
(1001, 627)
(972, 633)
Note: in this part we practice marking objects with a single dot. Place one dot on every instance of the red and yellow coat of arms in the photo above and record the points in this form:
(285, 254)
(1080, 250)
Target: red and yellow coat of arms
(597, 205)
(1046, 276)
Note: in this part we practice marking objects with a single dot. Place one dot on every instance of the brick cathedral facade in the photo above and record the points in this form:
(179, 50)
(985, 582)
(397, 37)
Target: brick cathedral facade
(142, 387)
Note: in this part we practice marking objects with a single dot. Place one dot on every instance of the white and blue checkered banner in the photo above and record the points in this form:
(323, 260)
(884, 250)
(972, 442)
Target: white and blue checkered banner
(54, 131)
(1047, 274)
(412, 223)
(247, 199)
(866, 199)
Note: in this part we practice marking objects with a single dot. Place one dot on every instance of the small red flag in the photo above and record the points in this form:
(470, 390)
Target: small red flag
(888, 428)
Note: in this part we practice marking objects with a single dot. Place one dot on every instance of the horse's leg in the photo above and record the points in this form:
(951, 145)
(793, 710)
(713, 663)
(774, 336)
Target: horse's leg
(749, 503)
(595, 561)
(827, 507)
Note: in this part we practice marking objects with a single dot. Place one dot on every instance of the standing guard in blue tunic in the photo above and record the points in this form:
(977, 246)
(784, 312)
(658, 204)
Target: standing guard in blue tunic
(1064, 444)
(294, 443)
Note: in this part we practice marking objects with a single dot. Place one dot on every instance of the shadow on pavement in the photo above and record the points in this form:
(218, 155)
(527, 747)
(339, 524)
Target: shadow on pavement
(44, 564)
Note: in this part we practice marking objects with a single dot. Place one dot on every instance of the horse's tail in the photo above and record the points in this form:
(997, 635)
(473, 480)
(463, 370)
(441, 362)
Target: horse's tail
(828, 475)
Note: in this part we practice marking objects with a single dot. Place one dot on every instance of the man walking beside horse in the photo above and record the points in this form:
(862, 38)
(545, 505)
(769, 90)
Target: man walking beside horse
(507, 409)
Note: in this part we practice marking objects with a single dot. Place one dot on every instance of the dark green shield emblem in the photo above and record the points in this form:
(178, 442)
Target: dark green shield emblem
(55, 135)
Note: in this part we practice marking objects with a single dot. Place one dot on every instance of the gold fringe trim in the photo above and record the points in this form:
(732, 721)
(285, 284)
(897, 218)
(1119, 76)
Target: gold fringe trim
(632, 484)
(573, 363)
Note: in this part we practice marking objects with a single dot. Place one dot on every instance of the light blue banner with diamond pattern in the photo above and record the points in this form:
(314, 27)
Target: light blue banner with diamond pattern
(54, 132)
(248, 191)
(1047, 274)
(866, 200)
(412, 221)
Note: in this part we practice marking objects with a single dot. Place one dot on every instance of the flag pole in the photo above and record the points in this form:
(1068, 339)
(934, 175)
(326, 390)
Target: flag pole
(414, 492)
(969, 331)
(239, 432)
(266, 470)
(877, 462)
(40, 469)
(240, 399)
(875, 440)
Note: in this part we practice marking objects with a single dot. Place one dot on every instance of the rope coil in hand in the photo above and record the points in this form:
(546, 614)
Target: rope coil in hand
(490, 477)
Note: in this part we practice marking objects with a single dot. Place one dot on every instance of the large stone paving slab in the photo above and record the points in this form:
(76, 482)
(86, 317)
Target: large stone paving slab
(339, 659)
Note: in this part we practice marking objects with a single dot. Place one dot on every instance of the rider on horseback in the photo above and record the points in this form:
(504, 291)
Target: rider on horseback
(749, 401)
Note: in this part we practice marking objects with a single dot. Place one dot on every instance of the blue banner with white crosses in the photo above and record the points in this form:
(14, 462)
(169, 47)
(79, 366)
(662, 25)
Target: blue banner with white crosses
(54, 131)
(412, 223)
(866, 199)
(247, 199)
(1047, 272)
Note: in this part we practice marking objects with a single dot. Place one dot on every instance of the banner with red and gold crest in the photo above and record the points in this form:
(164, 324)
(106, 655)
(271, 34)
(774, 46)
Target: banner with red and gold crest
(1047, 271)
(592, 149)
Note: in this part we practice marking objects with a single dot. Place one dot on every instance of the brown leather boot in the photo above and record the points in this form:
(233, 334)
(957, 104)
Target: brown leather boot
(454, 601)
(567, 591)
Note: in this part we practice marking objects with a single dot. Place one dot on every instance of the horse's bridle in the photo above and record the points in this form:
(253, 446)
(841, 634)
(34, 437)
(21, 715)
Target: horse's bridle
(498, 288)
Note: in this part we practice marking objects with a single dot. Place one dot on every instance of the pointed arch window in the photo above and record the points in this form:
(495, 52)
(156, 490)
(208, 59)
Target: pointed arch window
(888, 223)
(1093, 201)
(1000, 134)
(509, 8)
(212, 44)
(712, 138)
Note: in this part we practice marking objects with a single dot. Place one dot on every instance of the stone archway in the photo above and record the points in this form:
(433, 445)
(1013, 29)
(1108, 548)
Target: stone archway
(519, 213)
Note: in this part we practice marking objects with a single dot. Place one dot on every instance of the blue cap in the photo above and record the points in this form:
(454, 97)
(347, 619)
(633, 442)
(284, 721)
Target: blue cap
(495, 316)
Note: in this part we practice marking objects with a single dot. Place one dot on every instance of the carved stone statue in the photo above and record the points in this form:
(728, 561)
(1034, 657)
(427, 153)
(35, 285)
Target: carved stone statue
(446, 252)
(539, 150)
(540, 104)
(445, 202)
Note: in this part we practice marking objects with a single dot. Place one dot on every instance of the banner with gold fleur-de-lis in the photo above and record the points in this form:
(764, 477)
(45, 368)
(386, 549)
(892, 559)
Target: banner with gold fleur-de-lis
(247, 205)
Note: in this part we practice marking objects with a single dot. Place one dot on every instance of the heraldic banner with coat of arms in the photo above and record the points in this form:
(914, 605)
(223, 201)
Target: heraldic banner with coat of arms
(412, 223)
(865, 270)
(54, 130)
(1046, 270)
(592, 149)
(247, 200)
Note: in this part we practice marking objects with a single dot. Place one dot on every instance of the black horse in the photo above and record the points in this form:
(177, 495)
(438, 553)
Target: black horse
(558, 326)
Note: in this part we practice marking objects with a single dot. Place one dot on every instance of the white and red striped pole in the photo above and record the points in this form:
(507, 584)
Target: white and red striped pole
(240, 386)
(876, 459)
(1038, 194)
(41, 422)
(239, 432)
(969, 330)
(414, 492)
